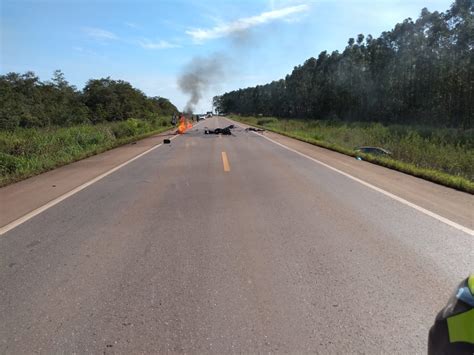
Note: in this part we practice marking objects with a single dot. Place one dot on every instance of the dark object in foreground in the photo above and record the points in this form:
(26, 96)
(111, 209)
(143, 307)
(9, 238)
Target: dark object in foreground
(225, 131)
(373, 150)
(453, 330)
(252, 129)
(166, 141)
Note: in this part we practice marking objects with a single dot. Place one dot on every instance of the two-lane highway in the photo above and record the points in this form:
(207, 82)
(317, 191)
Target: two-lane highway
(227, 244)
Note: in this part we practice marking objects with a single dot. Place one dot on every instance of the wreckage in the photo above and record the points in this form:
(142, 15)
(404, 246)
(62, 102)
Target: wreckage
(184, 125)
(226, 131)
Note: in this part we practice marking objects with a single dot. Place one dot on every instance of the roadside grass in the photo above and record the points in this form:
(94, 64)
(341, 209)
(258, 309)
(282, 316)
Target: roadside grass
(441, 155)
(28, 152)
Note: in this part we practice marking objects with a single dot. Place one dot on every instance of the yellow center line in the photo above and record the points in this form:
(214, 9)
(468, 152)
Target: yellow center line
(225, 162)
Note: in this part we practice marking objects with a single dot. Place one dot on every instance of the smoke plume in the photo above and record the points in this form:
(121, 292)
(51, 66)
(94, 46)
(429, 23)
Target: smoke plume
(199, 75)
(204, 73)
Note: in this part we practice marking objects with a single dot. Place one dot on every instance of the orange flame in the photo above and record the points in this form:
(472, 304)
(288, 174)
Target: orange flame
(182, 125)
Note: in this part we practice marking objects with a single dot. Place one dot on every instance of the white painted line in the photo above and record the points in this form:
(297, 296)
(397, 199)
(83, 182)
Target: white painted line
(57, 200)
(386, 193)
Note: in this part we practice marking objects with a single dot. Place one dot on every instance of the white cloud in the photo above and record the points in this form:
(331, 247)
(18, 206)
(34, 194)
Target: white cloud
(161, 44)
(104, 35)
(85, 52)
(99, 33)
(222, 30)
(132, 25)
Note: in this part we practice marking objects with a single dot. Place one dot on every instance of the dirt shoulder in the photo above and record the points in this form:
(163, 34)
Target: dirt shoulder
(450, 203)
(25, 196)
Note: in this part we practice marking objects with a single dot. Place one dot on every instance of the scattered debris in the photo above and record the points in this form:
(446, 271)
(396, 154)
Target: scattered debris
(166, 141)
(253, 129)
(226, 131)
(373, 150)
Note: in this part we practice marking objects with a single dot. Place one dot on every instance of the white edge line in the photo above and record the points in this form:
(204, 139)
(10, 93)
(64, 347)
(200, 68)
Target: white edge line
(29, 215)
(373, 187)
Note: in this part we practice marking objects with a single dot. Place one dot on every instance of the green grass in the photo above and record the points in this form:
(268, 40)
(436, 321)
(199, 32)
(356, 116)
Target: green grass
(441, 155)
(28, 152)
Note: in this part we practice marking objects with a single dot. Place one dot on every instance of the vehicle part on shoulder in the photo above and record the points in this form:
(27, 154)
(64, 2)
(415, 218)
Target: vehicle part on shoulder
(373, 150)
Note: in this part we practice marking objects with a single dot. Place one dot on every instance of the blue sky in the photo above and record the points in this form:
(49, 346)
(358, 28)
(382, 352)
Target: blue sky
(148, 43)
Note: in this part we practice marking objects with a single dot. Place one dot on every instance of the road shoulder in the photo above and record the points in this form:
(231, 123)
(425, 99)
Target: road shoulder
(452, 204)
(25, 196)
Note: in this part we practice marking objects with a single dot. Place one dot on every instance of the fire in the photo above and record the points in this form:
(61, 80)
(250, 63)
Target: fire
(184, 124)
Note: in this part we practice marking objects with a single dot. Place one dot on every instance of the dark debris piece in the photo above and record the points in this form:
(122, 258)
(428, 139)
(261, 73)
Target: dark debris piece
(224, 131)
(253, 129)
(373, 150)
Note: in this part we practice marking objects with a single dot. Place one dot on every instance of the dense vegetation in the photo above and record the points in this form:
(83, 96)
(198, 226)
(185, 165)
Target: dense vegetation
(444, 155)
(419, 72)
(29, 151)
(27, 102)
(47, 124)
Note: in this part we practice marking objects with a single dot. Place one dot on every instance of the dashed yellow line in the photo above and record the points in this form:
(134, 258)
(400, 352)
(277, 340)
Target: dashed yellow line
(225, 162)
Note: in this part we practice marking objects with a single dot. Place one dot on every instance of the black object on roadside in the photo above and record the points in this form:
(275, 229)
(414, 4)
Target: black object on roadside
(252, 129)
(166, 141)
(373, 151)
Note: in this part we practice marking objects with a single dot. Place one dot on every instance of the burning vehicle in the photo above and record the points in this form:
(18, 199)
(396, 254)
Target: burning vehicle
(184, 125)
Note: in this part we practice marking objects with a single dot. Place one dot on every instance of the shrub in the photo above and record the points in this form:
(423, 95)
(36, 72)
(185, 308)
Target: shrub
(448, 151)
(29, 151)
(266, 121)
(9, 164)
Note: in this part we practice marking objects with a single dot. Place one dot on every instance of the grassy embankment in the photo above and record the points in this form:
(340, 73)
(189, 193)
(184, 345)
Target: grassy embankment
(444, 156)
(28, 152)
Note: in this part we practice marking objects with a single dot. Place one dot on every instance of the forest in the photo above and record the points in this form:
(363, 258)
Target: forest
(44, 125)
(420, 72)
(27, 102)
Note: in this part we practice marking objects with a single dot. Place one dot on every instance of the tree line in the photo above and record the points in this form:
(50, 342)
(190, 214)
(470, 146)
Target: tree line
(419, 72)
(25, 101)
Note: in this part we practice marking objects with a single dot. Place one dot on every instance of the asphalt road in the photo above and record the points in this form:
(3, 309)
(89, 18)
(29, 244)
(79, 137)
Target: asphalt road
(218, 244)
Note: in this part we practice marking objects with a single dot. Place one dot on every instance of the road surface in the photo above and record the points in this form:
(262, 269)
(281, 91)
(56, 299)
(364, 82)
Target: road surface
(218, 244)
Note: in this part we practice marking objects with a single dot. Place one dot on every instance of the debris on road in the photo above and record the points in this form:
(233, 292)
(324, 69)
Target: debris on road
(166, 141)
(226, 131)
(253, 129)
